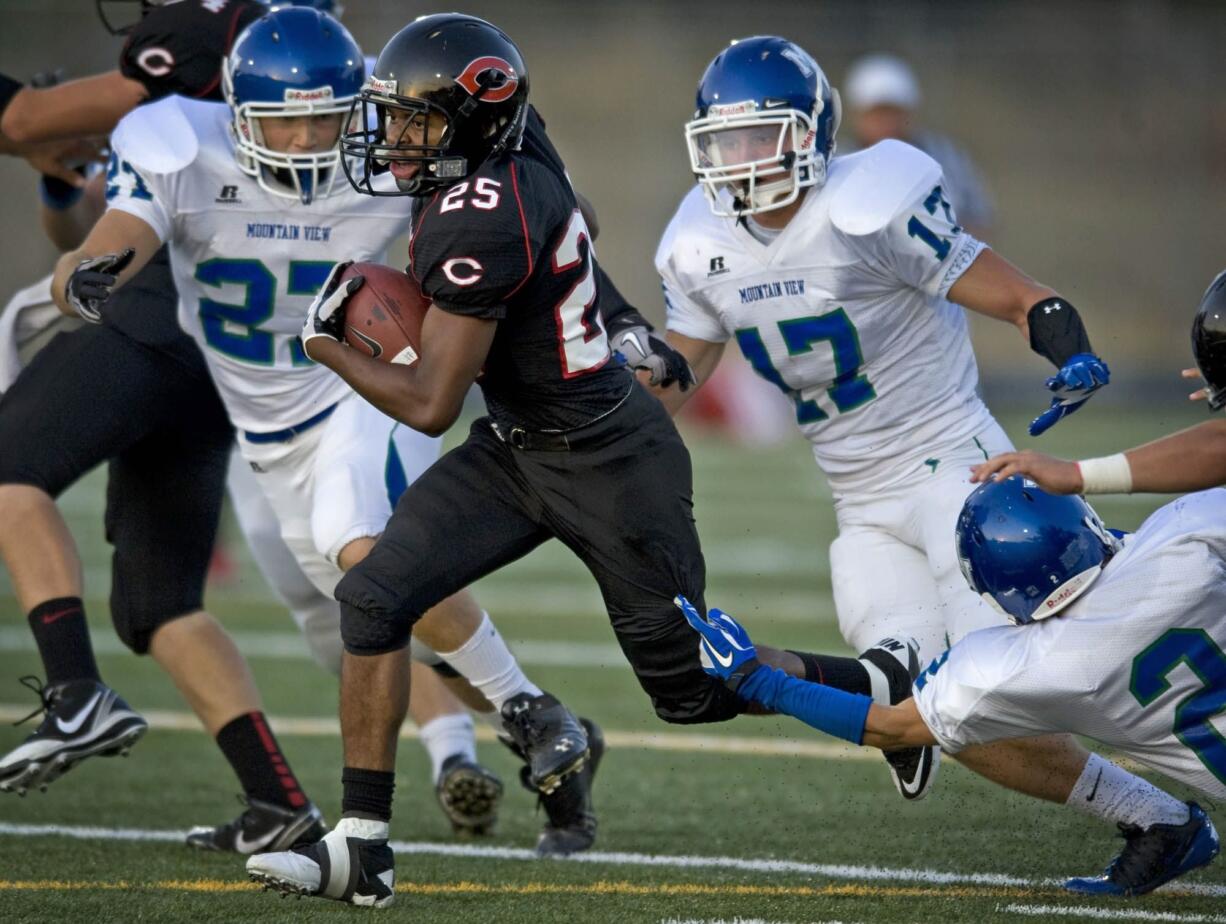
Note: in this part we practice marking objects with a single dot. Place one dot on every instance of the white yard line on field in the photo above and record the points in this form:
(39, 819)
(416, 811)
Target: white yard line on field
(1109, 914)
(876, 874)
(326, 726)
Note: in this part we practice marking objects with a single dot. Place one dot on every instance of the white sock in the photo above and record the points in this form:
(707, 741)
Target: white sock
(447, 735)
(1108, 791)
(487, 663)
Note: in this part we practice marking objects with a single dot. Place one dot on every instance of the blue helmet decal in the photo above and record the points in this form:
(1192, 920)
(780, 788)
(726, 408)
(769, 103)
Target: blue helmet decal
(1029, 553)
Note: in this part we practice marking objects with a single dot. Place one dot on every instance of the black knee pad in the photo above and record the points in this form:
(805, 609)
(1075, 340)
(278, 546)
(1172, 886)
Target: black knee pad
(135, 629)
(718, 704)
(372, 620)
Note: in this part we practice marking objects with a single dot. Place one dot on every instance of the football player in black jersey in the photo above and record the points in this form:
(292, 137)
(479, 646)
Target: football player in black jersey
(573, 448)
(158, 422)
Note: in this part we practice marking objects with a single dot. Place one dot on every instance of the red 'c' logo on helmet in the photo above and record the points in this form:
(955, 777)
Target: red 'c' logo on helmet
(503, 81)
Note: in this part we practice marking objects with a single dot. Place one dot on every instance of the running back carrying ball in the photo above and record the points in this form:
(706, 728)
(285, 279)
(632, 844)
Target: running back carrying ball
(383, 317)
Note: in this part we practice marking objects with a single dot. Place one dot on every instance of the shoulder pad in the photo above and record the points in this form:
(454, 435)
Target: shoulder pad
(878, 184)
(157, 137)
(690, 221)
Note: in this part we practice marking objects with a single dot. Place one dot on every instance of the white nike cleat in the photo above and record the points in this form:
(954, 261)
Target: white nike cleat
(352, 863)
(83, 718)
(892, 665)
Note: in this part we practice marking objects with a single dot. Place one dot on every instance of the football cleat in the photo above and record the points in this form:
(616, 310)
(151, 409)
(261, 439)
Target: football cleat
(572, 819)
(352, 863)
(261, 827)
(548, 736)
(469, 796)
(1153, 856)
(913, 769)
(82, 718)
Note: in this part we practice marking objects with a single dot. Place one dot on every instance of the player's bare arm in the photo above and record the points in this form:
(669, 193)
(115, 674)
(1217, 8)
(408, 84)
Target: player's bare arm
(703, 357)
(1191, 460)
(114, 235)
(79, 108)
(995, 287)
(427, 395)
(891, 727)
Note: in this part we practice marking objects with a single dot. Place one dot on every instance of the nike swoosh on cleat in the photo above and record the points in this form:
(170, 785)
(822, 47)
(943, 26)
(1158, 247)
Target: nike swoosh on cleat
(242, 845)
(74, 725)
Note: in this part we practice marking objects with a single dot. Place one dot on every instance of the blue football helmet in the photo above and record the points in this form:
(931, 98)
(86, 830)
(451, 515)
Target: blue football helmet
(764, 128)
(1029, 553)
(291, 63)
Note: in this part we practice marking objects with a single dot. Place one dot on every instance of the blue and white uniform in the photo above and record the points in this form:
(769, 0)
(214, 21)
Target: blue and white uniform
(845, 310)
(1138, 662)
(247, 264)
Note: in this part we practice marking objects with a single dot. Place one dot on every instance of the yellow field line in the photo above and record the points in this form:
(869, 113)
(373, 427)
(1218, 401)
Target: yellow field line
(549, 888)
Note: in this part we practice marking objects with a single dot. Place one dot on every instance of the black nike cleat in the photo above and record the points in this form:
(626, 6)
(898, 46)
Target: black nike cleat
(572, 819)
(1153, 856)
(82, 718)
(352, 863)
(469, 796)
(548, 736)
(261, 827)
(913, 770)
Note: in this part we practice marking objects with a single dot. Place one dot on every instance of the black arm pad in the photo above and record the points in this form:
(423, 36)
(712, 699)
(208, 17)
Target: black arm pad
(617, 313)
(1056, 331)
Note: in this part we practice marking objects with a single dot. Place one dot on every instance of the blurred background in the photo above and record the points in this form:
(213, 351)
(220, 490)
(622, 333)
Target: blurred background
(1098, 129)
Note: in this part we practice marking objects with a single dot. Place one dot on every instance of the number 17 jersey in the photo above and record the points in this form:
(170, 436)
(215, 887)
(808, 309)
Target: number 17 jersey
(845, 311)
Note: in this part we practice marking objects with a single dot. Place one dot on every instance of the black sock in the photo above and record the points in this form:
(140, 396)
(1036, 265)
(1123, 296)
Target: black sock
(62, 636)
(367, 793)
(841, 673)
(253, 752)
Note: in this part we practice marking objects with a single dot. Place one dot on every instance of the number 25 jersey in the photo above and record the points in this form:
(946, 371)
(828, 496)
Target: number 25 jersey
(845, 311)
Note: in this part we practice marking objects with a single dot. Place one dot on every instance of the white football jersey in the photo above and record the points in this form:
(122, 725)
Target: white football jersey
(246, 263)
(845, 311)
(1138, 662)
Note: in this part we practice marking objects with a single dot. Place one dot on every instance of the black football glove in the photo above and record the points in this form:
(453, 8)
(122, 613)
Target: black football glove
(91, 283)
(639, 348)
(326, 316)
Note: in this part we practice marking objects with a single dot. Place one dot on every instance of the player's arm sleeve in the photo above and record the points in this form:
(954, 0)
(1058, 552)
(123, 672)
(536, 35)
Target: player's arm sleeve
(966, 697)
(685, 311)
(924, 246)
(172, 50)
(615, 311)
(148, 196)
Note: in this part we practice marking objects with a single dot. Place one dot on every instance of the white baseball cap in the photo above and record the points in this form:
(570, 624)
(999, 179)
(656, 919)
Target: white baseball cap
(881, 80)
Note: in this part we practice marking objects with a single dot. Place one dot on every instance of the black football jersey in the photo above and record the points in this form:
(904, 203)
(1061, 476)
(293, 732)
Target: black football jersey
(178, 48)
(510, 244)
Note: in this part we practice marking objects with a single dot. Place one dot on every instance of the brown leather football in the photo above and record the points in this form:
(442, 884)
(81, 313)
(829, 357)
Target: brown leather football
(383, 318)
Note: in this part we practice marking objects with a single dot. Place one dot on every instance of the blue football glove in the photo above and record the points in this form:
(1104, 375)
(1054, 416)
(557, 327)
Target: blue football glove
(724, 648)
(1073, 385)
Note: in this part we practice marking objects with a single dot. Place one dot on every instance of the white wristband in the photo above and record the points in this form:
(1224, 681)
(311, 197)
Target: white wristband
(1106, 475)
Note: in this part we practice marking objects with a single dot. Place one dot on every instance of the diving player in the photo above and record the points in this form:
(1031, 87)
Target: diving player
(1122, 642)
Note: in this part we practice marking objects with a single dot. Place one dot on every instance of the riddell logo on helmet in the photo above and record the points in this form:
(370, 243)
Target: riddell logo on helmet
(733, 108)
(308, 96)
(386, 87)
(501, 83)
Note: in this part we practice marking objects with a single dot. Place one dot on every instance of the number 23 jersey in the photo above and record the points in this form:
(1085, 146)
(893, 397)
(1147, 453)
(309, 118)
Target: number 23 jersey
(247, 263)
(845, 311)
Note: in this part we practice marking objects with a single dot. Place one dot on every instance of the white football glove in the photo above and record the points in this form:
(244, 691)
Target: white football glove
(326, 316)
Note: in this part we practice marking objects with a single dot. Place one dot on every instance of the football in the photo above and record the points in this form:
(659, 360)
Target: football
(383, 318)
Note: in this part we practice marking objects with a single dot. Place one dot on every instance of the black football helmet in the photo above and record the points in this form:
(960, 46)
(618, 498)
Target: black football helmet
(458, 67)
(1209, 341)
